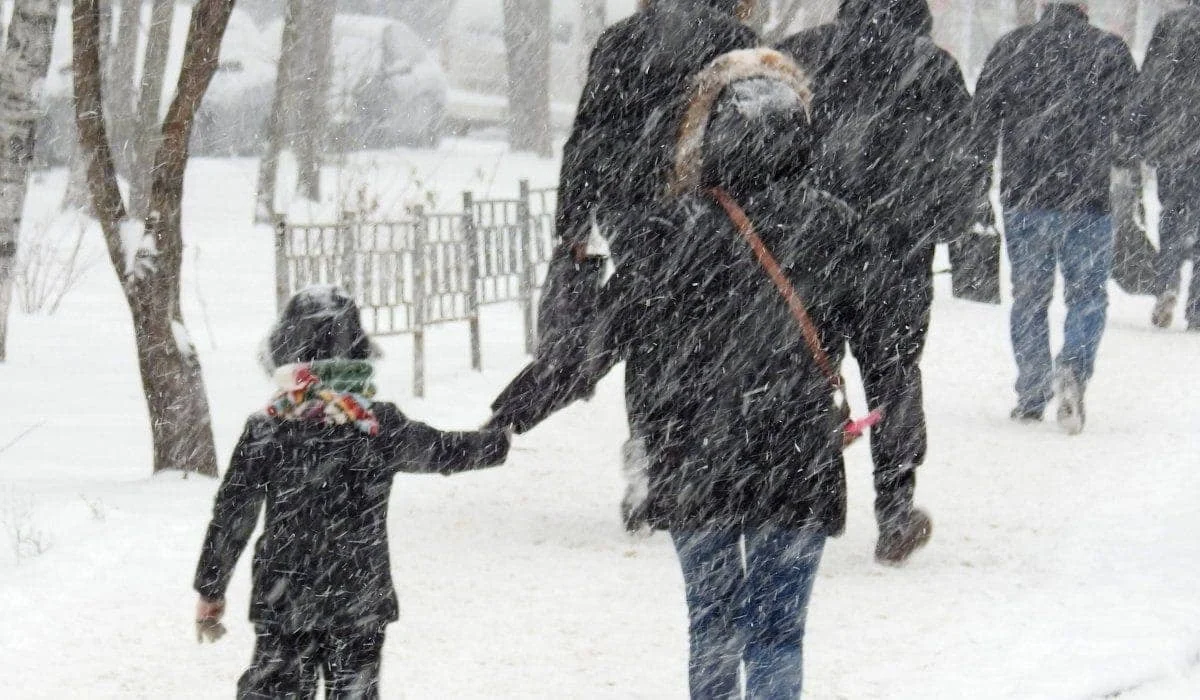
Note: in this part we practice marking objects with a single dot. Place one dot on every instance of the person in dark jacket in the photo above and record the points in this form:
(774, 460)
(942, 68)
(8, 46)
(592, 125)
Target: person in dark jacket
(321, 457)
(1055, 97)
(891, 111)
(741, 435)
(1169, 103)
(617, 157)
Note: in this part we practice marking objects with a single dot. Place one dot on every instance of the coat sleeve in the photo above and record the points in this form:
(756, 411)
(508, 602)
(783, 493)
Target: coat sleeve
(989, 109)
(577, 184)
(414, 447)
(1148, 95)
(564, 373)
(235, 511)
(954, 183)
(1121, 80)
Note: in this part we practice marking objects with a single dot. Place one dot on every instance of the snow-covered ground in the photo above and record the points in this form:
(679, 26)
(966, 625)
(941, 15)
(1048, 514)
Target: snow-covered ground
(1060, 567)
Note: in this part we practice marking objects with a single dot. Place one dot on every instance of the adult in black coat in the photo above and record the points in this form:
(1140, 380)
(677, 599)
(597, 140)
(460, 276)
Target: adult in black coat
(1055, 97)
(1168, 100)
(740, 431)
(321, 459)
(617, 157)
(891, 113)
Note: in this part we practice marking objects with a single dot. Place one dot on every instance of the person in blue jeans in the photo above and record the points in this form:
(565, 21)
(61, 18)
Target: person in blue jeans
(739, 447)
(1081, 245)
(747, 595)
(1056, 97)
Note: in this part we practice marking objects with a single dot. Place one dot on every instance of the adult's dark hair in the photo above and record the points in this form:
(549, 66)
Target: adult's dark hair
(739, 7)
(318, 323)
(907, 15)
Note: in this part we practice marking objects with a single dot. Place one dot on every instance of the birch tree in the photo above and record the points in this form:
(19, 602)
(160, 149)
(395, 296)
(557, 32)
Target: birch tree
(147, 254)
(147, 138)
(312, 66)
(527, 50)
(277, 119)
(121, 84)
(22, 73)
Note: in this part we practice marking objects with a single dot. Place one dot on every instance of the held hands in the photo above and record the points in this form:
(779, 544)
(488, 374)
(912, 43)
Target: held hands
(208, 620)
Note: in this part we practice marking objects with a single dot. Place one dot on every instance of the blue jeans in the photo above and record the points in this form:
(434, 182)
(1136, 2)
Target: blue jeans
(1081, 244)
(747, 595)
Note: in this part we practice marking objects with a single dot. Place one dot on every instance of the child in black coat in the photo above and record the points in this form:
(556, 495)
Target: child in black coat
(321, 457)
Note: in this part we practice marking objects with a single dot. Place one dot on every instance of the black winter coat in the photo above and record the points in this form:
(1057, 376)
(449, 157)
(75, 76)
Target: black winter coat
(621, 145)
(1168, 94)
(1056, 96)
(891, 114)
(322, 559)
(739, 422)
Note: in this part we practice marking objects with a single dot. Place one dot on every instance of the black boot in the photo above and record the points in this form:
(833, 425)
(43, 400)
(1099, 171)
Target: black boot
(903, 528)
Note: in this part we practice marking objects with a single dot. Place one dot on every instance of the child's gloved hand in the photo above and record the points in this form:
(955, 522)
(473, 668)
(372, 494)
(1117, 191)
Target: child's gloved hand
(208, 620)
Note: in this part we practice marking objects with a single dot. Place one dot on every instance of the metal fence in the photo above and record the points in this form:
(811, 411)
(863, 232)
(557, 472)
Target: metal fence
(428, 268)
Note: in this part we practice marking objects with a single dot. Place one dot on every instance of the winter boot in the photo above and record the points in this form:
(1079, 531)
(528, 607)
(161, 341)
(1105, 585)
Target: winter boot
(1070, 401)
(903, 528)
(1025, 414)
(896, 544)
(1164, 310)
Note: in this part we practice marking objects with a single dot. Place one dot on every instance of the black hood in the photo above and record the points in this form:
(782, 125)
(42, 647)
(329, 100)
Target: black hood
(746, 125)
(886, 17)
(318, 323)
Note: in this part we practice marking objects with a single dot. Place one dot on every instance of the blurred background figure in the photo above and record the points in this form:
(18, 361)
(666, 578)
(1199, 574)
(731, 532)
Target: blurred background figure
(890, 107)
(1168, 101)
(1053, 95)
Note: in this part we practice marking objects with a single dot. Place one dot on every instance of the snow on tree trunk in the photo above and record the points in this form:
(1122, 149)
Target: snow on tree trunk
(22, 72)
(527, 49)
(147, 137)
(150, 274)
(311, 69)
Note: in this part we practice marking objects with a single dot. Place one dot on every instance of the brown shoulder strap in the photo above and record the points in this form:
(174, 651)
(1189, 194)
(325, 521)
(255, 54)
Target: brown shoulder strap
(769, 265)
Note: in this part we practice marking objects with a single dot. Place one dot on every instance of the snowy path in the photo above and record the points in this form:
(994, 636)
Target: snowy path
(1060, 567)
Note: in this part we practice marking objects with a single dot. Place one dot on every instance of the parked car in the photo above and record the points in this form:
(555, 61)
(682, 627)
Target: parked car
(386, 89)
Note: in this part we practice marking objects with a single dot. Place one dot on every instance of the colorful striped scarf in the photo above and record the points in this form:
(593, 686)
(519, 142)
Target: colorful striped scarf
(327, 392)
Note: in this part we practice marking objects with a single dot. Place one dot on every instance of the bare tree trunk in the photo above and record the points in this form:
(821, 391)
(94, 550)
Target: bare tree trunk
(312, 66)
(277, 120)
(1026, 11)
(527, 48)
(26, 60)
(150, 274)
(147, 137)
(593, 20)
(121, 88)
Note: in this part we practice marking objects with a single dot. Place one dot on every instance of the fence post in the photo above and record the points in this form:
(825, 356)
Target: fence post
(471, 250)
(349, 250)
(282, 276)
(420, 225)
(525, 222)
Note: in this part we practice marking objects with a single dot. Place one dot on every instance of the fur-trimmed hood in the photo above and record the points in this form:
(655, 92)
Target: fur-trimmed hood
(707, 89)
